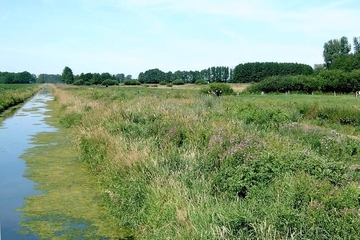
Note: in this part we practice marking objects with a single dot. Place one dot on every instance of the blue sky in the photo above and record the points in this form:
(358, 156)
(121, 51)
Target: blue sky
(132, 36)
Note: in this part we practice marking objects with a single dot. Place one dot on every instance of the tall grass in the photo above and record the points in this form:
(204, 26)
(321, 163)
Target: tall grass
(13, 94)
(174, 164)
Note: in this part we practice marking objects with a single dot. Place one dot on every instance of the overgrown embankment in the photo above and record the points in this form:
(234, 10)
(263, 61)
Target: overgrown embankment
(175, 164)
(13, 94)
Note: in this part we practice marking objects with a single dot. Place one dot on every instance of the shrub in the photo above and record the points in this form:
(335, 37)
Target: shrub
(79, 82)
(201, 82)
(109, 82)
(212, 87)
(178, 82)
(300, 83)
(131, 82)
(162, 83)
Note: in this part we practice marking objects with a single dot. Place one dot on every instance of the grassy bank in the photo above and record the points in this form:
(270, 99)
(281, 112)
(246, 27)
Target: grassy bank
(69, 205)
(13, 94)
(174, 164)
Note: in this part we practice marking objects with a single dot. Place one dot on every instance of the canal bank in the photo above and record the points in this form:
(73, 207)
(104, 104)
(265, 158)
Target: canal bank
(65, 202)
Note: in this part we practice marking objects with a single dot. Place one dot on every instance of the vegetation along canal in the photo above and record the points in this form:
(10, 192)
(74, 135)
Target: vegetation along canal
(44, 192)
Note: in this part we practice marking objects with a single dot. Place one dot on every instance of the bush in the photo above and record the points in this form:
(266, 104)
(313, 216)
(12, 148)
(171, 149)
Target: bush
(201, 82)
(162, 83)
(109, 82)
(326, 81)
(132, 82)
(212, 87)
(178, 82)
(300, 83)
(79, 82)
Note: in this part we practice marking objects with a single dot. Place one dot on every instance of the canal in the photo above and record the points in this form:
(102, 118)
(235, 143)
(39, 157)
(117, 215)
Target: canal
(45, 193)
(16, 132)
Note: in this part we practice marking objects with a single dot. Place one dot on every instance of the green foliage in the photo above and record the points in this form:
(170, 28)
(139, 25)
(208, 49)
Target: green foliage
(300, 83)
(256, 72)
(152, 76)
(326, 81)
(79, 82)
(201, 82)
(12, 95)
(131, 82)
(356, 45)
(334, 49)
(49, 78)
(17, 78)
(67, 76)
(212, 74)
(110, 82)
(178, 82)
(348, 62)
(339, 81)
(212, 87)
(297, 206)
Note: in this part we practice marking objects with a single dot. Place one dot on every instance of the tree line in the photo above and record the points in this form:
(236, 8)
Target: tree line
(68, 77)
(258, 71)
(242, 73)
(340, 72)
(338, 81)
(21, 77)
(212, 74)
(49, 78)
(337, 56)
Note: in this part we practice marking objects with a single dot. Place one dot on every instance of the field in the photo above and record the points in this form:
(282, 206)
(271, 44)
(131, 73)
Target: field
(175, 164)
(12, 94)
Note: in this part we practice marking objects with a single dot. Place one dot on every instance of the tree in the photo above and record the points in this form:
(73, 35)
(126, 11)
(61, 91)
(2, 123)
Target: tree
(24, 77)
(48, 78)
(106, 76)
(67, 76)
(96, 78)
(120, 77)
(345, 46)
(356, 45)
(334, 49)
(128, 77)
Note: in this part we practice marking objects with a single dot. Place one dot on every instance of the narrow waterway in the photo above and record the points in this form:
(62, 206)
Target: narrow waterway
(15, 137)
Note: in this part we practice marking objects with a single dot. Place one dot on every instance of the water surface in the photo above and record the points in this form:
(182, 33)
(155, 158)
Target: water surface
(15, 137)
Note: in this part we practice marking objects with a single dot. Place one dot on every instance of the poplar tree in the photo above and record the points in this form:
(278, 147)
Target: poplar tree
(67, 76)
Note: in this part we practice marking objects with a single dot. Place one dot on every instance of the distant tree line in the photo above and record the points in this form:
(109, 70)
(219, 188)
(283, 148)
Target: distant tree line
(68, 77)
(21, 77)
(338, 81)
(212, 74)
(258, 71)
(340, 72)
(49, 78)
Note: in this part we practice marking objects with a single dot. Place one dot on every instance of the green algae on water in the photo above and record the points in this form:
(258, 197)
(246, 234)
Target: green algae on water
(69, 206)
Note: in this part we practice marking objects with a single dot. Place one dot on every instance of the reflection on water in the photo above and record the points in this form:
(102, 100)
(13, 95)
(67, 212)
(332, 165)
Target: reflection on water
(15, 134)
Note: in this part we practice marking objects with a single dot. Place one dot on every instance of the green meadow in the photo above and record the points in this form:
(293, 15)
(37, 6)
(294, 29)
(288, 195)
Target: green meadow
(173, 163)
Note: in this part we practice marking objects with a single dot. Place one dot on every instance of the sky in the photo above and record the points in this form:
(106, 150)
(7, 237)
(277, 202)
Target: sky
(132, 36)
